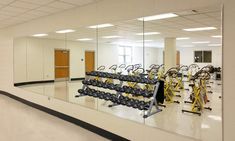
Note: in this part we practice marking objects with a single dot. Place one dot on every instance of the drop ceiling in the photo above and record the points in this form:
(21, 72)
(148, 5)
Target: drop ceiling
(172, 27)
(14, 12)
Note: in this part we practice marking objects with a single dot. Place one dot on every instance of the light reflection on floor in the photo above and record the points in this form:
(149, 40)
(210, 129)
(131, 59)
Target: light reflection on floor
(207, 127)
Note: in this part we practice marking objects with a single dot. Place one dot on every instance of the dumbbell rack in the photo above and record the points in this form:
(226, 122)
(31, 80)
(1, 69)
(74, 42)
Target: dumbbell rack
(152, 98)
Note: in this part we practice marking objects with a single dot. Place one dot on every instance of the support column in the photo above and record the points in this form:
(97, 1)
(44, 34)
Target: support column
(170, 53)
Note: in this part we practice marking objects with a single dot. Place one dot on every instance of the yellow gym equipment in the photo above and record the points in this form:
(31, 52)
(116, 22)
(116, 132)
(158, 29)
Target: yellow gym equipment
(113, 69)
(100, 68)
(198, 96)
(168, 79)
(192, 69)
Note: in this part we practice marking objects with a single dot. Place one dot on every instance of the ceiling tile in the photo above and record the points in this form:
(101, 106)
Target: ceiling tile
(1, 6)
(37, 13)
(26, 17)
(78, 2)
(48, 9)
(61, 5)
(11, 9)
(25, 5)
(6, 2)
(3, 17)
(15, 11)
(7, 13)
(39, 2)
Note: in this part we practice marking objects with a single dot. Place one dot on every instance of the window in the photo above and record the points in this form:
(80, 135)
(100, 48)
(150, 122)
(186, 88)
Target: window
(124, 55)
(207, 56)
(202, 56)
(198, 56)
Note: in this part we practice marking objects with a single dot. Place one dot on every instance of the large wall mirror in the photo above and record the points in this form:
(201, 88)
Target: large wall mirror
(163, 71)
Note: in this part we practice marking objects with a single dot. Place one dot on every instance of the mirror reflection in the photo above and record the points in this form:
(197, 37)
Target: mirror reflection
(160, 70)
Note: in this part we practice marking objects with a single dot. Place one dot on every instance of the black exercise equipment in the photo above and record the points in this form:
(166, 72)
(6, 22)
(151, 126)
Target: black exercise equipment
(127, 95)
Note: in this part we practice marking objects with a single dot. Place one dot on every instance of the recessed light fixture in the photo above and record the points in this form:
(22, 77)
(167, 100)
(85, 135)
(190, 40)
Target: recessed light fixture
(101, 25)
(141, 41)
(217, 36)
(40, 35)
(205, 126)
(84, 39)
(182, 38)
(214, 117)
(65, 31)
(158, 17)
(148, 33)
(200, 29)
(214, 45)
(187, 46)
(201, 42)
(111, 37)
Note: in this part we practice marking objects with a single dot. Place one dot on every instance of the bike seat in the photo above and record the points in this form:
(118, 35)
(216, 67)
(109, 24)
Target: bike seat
(191, 85)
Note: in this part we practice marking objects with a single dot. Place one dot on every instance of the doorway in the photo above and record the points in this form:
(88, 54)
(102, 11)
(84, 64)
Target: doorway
(178, 58)
(61, 64)
(89, 61)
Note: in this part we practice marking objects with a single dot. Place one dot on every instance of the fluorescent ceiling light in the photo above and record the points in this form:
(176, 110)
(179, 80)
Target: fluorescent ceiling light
(158, 17)
(148, 33)
(201, 42)
(200, 29)
(65, 31)
(141, 41)
(111, 37)
(187, 46)
(182, 38)
(101, 25)
(205, 126)
(218, 118)
(84, 39)
(217, 36)
(214, 45)
(40, 35)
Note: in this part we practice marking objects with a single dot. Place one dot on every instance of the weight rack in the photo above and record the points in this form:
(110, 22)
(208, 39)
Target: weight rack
(152, 98)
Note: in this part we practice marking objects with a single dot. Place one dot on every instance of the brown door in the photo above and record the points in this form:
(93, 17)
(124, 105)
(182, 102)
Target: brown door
(178, 58)
(89, 61)
(61, 64)
(163, 57)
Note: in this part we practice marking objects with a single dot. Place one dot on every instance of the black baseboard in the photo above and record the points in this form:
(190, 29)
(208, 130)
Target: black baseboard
(33, 82)
(74, 79)
(68, 118)
(43, 81)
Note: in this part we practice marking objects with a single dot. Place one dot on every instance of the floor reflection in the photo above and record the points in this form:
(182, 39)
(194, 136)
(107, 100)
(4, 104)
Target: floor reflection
(207, 127)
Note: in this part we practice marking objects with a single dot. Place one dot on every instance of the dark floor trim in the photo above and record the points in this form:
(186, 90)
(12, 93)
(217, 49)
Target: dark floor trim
(74, 79)
(33, 82)
(68, 118)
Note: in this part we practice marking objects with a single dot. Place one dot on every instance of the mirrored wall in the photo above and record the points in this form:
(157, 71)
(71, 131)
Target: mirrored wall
(139, 69)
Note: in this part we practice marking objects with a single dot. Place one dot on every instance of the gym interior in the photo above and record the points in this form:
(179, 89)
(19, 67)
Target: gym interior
(156, 73)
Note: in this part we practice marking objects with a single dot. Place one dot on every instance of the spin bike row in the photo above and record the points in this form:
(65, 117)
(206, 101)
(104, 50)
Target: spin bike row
(148, 90)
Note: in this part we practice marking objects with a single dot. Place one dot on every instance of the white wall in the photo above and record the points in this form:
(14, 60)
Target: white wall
(108, 55)
(34, 58)
(153, 56)
(20, 60)
(187, 56)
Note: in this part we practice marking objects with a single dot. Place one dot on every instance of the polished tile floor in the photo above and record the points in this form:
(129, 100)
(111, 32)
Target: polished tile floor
(20, 122)
(207, 127)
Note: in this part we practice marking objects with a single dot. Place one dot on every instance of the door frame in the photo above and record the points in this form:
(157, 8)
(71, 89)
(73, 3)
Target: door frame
(88, 50)
(62, 79)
